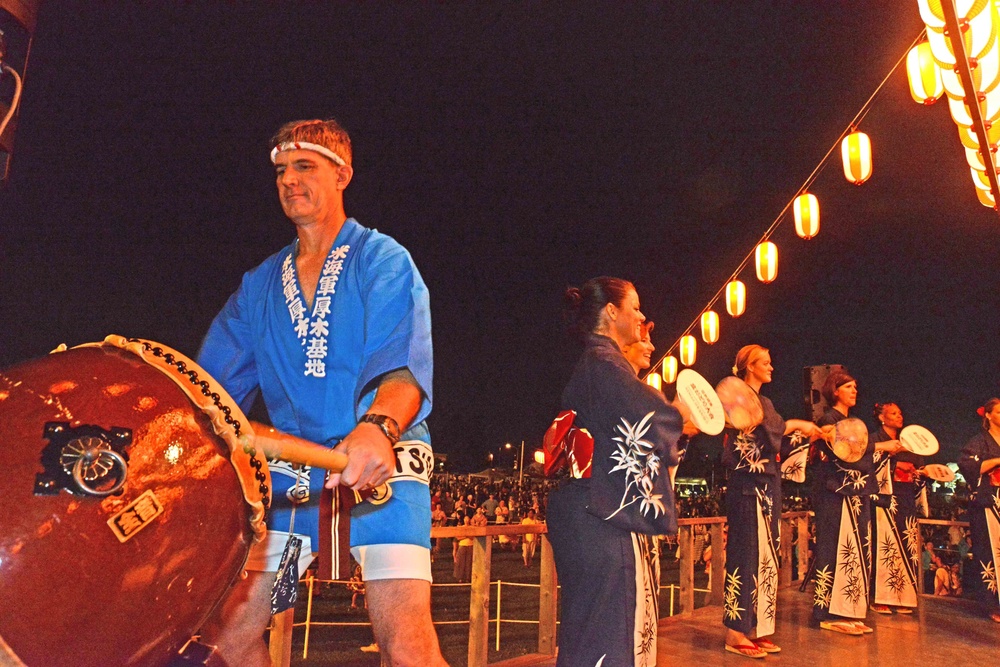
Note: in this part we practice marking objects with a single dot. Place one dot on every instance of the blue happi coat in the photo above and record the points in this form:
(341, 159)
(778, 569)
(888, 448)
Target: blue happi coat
(318, 369)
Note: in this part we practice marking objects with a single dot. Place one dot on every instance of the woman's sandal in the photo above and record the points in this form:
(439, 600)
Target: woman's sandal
(766, 645)
(843, 627)
(750, 650)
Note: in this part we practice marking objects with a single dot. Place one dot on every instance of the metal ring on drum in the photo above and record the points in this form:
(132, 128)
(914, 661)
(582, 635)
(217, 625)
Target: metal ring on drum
(90, 457)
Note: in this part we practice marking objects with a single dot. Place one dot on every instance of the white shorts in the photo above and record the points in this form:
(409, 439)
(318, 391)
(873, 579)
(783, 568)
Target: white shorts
(393, 561)
(265, 556)
(378, 561)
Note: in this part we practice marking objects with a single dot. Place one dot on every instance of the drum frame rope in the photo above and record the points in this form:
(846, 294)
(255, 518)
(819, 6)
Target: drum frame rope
(194, 379)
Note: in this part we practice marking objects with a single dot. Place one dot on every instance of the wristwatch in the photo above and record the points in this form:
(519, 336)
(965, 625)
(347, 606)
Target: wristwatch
(388, 425)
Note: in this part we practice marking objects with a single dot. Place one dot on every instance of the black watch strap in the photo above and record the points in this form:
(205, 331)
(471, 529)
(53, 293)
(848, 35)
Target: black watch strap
(388, 425)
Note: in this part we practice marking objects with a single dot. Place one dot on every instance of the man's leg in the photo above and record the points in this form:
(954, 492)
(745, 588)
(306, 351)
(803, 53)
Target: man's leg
(237, 626)
(400, 611)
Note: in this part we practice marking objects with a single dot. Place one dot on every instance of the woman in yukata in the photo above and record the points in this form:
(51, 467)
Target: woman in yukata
(895, 549)
(841, 498)
(753, 509)
(980, 465)
(603, 527)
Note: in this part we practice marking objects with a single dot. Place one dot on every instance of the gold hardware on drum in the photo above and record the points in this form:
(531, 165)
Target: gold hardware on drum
(137, 515)
(84, 459)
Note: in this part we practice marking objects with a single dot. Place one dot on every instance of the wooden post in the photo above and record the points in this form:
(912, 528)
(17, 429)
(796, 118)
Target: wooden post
(547, 600)
(479, 602)
(718, 565)
(802, 533)
(309, 611)
(280, 645)
(785, 570)
(920, 559)
(685, 539)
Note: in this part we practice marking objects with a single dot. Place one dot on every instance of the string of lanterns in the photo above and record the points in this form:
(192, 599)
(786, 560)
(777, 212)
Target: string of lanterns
(856, 155)
(935, 67)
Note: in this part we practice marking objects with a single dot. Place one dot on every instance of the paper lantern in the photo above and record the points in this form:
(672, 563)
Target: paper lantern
(856, 151)
(736, 298)
(970, 139)
(710, 326)
(655, 381)
(689, 350)
(977, 37)
(767, 262)
(975, 159)
(980, 179)
(986, 198)
(985, 74)
(806, 210)
(924, 75)
(670, 369)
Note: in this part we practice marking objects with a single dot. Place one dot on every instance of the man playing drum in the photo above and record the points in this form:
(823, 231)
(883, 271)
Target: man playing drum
(334, 332)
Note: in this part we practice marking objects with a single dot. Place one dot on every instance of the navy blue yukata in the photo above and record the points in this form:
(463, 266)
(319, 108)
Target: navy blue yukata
(603, 528)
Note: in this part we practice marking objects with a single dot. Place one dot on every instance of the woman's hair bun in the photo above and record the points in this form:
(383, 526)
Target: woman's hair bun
(573, 297)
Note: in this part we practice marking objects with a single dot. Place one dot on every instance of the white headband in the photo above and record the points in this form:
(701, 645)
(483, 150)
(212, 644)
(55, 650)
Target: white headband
(306, 146)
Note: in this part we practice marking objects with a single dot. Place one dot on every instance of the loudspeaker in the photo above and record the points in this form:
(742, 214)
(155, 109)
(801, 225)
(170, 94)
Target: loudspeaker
(813, 378)
(18, 19)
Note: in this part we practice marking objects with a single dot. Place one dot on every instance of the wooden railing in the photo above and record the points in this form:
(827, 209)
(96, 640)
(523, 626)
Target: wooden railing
(796, 523)
(479, 601)
(920, 545)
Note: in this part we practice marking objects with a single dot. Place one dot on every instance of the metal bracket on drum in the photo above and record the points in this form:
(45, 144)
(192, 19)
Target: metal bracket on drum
(85, 460)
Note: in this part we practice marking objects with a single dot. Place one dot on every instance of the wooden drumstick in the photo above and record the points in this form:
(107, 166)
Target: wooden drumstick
(292, 449)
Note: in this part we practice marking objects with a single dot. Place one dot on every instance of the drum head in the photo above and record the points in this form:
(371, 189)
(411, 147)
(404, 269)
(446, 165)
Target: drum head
(939, 472)
(918, 440)
(698, 395)
(850, 439)
(125, 578)
(741, 403)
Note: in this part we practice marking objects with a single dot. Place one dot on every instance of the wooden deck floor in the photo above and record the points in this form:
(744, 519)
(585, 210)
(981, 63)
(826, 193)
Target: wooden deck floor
(944, 632)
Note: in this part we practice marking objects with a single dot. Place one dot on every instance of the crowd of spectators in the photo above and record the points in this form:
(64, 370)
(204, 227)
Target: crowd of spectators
(480, 500)
(484, 500)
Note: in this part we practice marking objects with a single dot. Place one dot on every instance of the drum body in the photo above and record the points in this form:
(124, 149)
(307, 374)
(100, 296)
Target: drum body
(120, 579)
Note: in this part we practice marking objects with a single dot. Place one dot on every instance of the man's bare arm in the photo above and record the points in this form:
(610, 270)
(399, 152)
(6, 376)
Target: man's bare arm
(372, 460)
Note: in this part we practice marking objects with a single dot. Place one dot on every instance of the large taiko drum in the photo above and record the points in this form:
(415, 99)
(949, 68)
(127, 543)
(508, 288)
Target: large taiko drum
(130, 501)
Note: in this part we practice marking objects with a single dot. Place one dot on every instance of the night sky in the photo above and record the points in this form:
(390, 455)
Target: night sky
(514, 149)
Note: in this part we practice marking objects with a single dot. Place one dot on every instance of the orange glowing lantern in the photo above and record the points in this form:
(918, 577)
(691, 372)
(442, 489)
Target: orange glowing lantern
(970, 139)
(655, 381)
(856, 151)
(806, 209)
(736, 298)
(767, 262)
(710, 326)
(924, 75)
(689, 350)
(670, 369)
(986, 198)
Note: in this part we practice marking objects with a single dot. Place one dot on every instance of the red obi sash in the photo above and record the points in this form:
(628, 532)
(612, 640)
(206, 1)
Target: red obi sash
(904, 472)
(567, 448)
